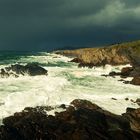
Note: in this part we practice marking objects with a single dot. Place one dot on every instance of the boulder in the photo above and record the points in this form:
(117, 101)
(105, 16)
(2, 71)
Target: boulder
(31, 69)
(34, 69)
(126, 71)
(135, 81)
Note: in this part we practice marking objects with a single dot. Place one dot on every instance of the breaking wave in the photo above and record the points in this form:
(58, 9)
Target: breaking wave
(64, 83)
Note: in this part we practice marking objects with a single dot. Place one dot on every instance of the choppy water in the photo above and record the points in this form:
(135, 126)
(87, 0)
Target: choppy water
(65, 82)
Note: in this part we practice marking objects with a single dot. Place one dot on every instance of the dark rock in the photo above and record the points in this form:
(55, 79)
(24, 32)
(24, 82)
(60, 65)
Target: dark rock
(133, 115)
(122, 80)
(126, 82)
(4, 74)
(34, 69)
(76, 60)
(126, 99)
(135, 81)
(30, 69)
(113, 98)
(138, 101)
(132, 101)
(82, 121)
(63, 106)
(126, 71)
(113, 73)
(89, 65)
(105, 75)
(84, 104)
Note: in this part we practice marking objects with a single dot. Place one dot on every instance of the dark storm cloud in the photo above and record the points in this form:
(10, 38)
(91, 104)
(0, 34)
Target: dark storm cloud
(49, 24)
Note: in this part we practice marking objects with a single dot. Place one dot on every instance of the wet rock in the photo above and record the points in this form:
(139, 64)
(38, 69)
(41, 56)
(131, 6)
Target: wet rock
(135, 81)
(126, 71)
(4, 74)
(113, 98)
(132, 100)
(63, 106)
(76, 60)
(113, 73)
(89, 65)
(17, 69)
(84, 104)
(133, 115)
(126, 82)
(138, 101)
(121, 80)
(82, 120)
(126, 99)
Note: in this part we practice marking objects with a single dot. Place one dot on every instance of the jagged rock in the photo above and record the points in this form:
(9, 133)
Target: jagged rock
(82, 120)
(17, 69)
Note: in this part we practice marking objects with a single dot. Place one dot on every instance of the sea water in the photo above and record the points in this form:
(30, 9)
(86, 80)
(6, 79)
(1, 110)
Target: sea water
(64, 83)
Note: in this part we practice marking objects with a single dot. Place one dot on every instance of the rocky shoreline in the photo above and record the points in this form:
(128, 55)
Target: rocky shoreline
(127, 72)
(119, 54)
(81, 120)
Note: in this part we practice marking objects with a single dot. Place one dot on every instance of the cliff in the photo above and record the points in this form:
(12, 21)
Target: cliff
(117, 54)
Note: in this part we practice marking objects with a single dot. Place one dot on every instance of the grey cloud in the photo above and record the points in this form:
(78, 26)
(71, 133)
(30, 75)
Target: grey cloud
(49, 24)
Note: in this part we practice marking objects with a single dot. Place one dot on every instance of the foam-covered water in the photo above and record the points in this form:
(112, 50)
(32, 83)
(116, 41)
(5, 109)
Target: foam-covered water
(64, 83)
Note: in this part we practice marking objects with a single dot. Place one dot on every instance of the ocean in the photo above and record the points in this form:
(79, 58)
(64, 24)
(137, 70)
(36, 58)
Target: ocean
(64, 83)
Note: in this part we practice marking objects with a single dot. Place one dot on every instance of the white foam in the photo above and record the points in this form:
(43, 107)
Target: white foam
(62, 85)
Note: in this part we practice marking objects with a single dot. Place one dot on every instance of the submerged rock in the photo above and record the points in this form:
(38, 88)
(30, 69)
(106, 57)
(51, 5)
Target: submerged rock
(82, 120)
(31, 69)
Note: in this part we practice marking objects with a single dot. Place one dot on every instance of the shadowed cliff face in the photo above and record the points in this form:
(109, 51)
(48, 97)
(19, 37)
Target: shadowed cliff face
(115, 55)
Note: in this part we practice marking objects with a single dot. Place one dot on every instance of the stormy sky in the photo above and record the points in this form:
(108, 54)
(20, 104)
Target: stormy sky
(55, 24)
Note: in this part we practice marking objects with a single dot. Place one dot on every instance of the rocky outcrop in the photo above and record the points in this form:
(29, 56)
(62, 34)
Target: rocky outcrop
(82, 120)
(119, 54)
(127, 72)
(114, 55)
(31, 69)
